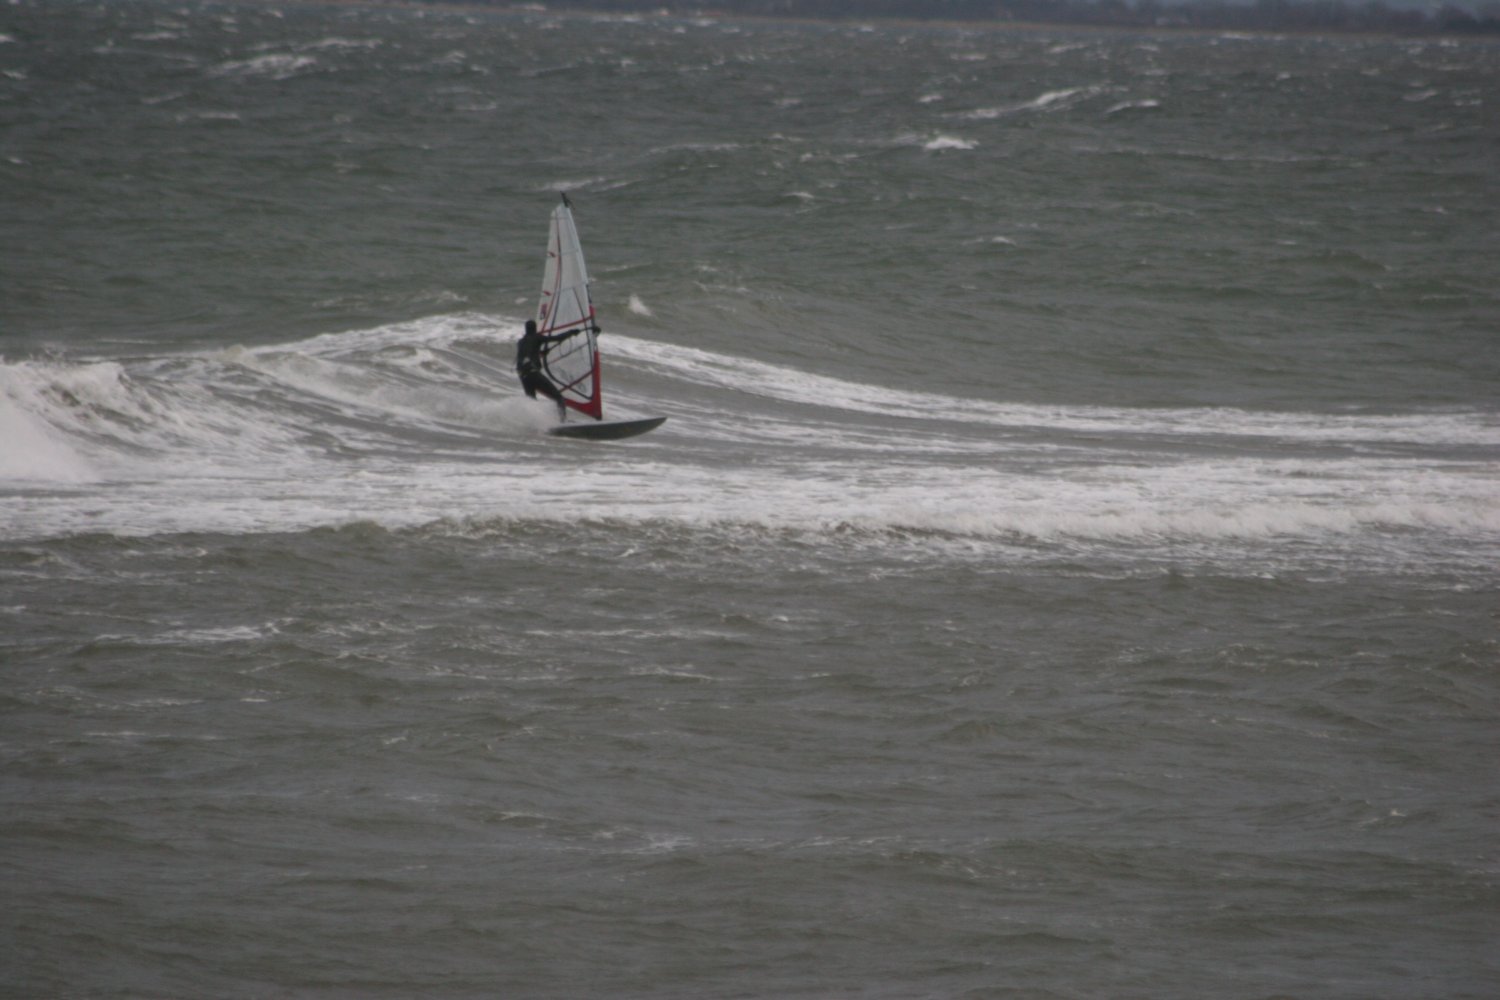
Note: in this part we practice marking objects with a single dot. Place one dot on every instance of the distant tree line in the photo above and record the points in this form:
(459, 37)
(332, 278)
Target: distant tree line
(1258, 15)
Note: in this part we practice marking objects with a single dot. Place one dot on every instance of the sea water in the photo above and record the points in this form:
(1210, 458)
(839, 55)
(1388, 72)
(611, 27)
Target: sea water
(1068, 569)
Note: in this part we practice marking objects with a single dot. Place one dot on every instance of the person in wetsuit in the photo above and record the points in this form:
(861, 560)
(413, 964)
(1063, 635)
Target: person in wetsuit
(529, 367)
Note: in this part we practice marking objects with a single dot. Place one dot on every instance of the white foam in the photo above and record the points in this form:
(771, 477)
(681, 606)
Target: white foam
(943, 142)
(123, 423)
(552, 187)
(1049, 101)
(32, 451)
(1146, 104)
(342, 43)
(420, 423)
(202, 636)
(799, 386)
(275, 66)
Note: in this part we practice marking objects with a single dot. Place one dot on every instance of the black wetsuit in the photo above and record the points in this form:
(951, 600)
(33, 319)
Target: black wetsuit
(529, 368)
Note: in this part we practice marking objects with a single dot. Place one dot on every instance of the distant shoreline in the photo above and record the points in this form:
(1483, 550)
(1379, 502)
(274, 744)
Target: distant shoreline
(1487, 30)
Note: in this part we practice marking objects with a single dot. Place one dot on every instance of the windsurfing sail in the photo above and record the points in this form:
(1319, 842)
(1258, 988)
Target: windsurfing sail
(566, 313)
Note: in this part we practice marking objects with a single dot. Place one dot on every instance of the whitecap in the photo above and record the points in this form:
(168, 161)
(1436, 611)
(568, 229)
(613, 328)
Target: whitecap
(552, 187)
(944, 142)
(343, 43)
(1052, 97)
(1142, 105)
(31, 450)
(1052, 100)
(276, 66)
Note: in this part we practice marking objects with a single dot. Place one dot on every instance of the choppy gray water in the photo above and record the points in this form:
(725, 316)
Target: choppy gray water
(1068, 570)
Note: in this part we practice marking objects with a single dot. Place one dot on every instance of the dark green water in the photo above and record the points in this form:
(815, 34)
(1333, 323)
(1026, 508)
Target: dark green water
(1067, 570)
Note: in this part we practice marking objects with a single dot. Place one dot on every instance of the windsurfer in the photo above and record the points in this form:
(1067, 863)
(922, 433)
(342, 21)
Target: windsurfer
(529, 367)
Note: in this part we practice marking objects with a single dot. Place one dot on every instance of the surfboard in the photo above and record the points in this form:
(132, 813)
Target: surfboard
(565, 316)
(607, 430)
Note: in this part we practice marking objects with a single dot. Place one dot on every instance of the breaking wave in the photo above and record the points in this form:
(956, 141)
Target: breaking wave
(418, 423)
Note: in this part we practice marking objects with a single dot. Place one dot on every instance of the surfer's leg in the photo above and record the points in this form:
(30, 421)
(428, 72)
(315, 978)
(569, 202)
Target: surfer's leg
(537, 384)
(562, 411)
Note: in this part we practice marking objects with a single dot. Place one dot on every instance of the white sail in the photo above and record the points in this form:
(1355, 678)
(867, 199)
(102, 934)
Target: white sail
(572, 363)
